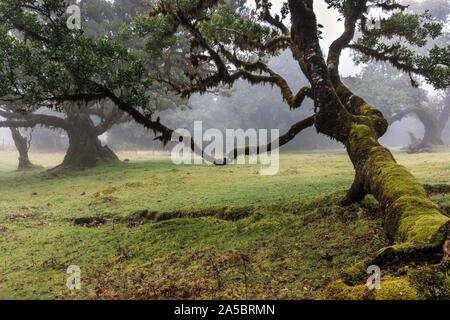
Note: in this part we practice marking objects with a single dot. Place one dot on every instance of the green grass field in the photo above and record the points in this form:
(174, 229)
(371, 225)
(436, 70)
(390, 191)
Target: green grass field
(149, 229)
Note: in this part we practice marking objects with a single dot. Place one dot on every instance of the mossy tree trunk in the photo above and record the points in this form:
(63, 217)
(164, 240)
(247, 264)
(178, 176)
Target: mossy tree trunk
(22, 146)
(414, 224)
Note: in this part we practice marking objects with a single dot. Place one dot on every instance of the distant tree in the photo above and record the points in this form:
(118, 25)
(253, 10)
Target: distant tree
(21, 143)
(434, 118)
(85, 149)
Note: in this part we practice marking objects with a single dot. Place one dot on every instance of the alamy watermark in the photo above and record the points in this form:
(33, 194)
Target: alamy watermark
(216, 144)
(74, 19)
(74, 281)
(374, 281)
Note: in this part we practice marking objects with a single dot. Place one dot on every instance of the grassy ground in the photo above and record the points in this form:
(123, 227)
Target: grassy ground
(149, 229)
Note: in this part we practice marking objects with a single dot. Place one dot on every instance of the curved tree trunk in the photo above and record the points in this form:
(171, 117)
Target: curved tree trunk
(22, 147)
(410, 217)
(416, 227)
(434, 125)
(432, 134)
(85, 149)
(445, 113)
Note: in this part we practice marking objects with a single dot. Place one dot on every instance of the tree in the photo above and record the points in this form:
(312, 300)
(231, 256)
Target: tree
(228, 43)
(235, 42)
(22, 143)
(52, 64)
(85, 148)
(23, 146)
(101, 19)
(434, 120)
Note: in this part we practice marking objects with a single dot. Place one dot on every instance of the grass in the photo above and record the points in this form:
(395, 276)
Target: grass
(154, 230)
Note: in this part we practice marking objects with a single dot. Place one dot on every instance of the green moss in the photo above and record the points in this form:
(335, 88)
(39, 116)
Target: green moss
(354, 274)
(338, 290)
(407, 252)
(396, 289)
(391, 289)
(360, 143)
(413, 223)
(412, 216)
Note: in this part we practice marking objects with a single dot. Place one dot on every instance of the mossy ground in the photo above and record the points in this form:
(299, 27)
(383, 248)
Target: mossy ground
(226, 232)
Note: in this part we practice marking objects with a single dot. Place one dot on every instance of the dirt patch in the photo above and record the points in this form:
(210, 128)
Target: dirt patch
(90, 222)
(134, 224)
(21, 215)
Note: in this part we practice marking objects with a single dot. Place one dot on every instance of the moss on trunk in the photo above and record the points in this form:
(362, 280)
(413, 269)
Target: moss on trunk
(414, 224)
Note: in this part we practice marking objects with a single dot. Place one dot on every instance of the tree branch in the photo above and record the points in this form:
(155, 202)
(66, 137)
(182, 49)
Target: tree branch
(31, 121)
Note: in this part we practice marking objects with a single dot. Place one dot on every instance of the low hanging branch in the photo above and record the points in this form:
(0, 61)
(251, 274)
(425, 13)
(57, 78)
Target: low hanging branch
(167, 133)
(255, 150)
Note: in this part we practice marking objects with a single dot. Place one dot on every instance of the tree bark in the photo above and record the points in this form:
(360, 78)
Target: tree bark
(85, 149)
(22, 147)
(433, 131)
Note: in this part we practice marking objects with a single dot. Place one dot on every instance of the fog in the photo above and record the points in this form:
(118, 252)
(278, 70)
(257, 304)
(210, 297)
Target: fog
(243, 106)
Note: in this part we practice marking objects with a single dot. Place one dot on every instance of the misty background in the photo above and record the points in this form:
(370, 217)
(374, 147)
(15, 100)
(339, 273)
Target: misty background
(245, 106)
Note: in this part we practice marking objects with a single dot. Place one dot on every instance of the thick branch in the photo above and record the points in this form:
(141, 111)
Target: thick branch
(340, 43)
(30, 121)
(400, 115)
(282, 140)
(267, 16)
